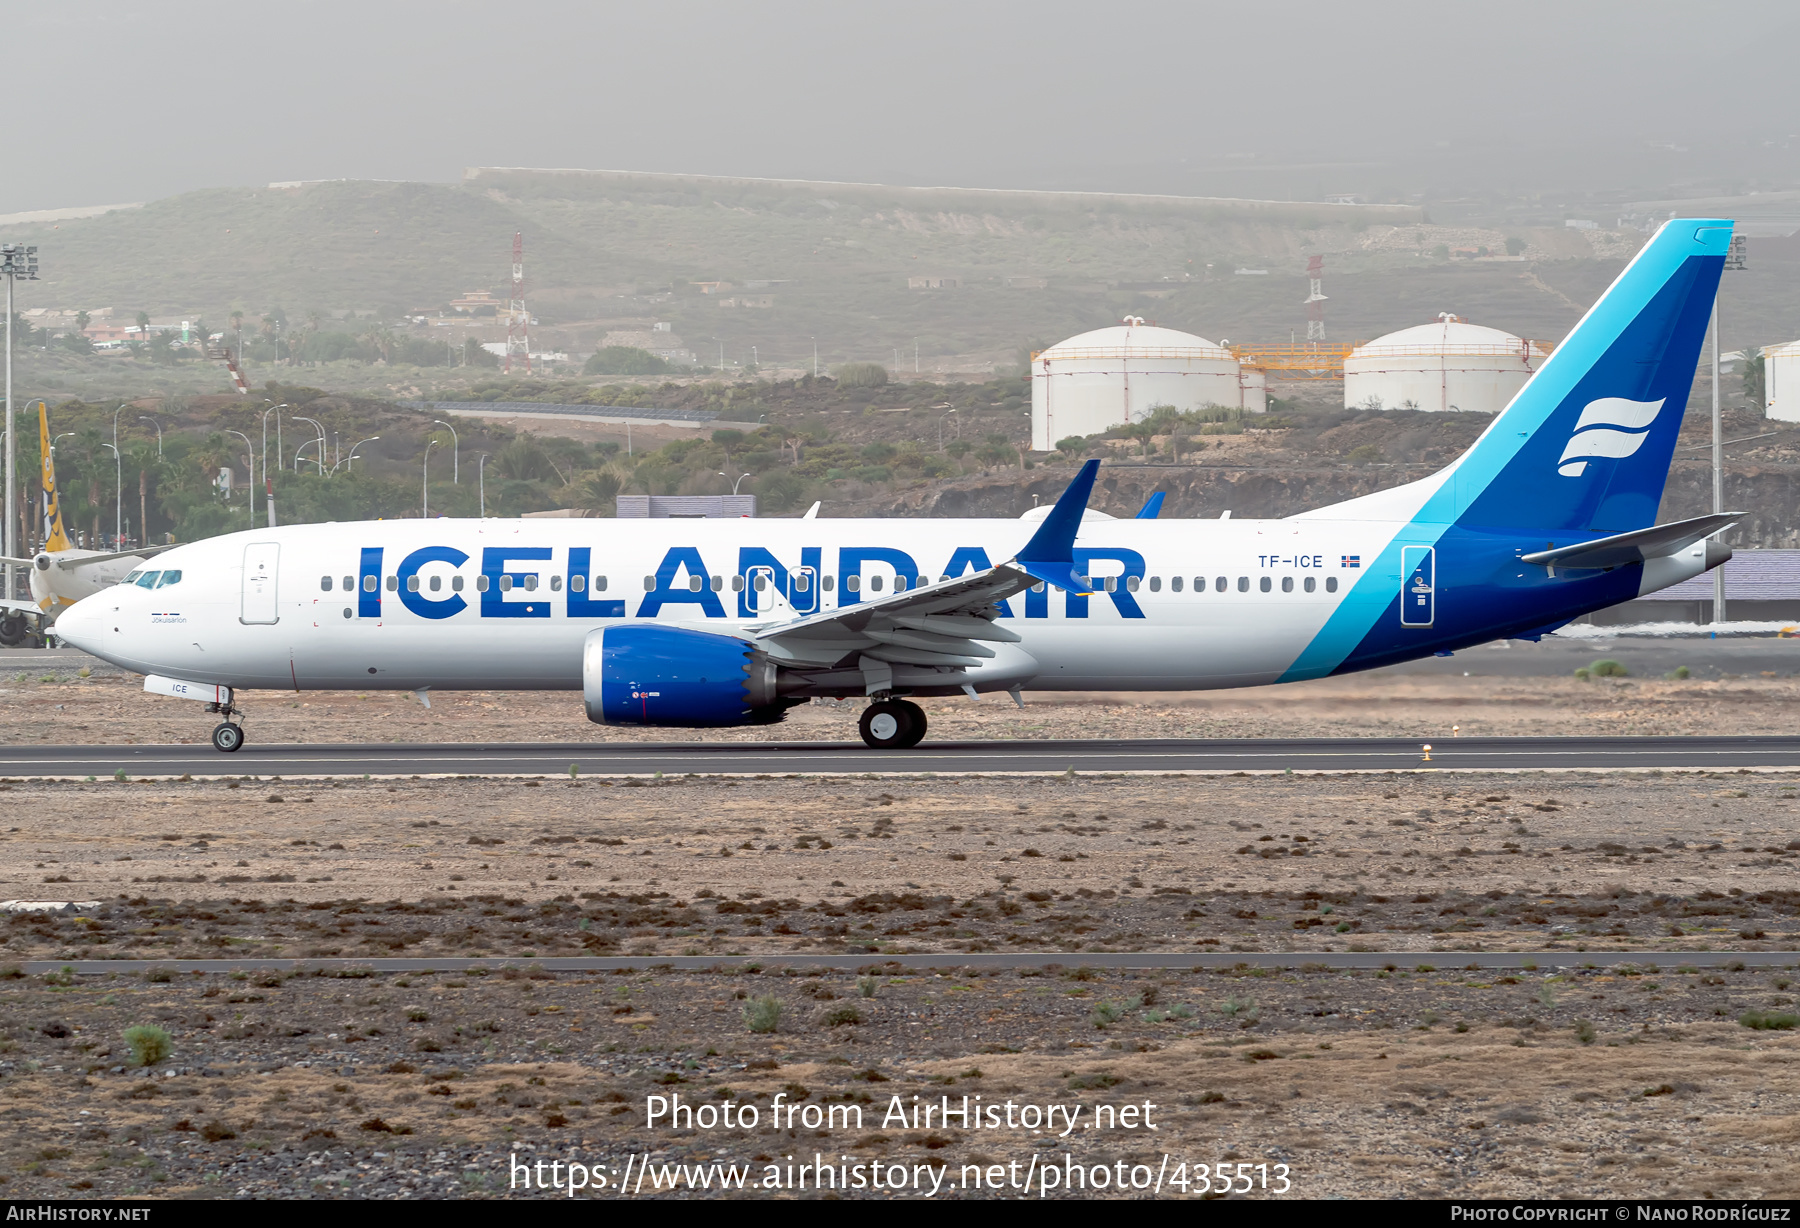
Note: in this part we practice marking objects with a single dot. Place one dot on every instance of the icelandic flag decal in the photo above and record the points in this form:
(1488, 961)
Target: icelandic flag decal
(1351, 560)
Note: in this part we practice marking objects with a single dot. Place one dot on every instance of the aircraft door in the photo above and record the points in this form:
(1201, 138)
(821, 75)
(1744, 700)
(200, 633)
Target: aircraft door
(261, 563)
(1418, 587)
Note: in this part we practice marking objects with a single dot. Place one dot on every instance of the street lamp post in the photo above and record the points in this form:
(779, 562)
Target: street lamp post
(425, 482)
(273, 409)
(351, 459)
(320, 428)
(118, 484)
(16, 261)
(250, 459)
(455, 451)
(734, 485)
(153, 422)
(1734, 262)
(118, 505)
(481, 483)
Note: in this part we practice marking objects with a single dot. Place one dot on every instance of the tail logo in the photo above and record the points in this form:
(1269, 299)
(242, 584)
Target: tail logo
(1611, 427)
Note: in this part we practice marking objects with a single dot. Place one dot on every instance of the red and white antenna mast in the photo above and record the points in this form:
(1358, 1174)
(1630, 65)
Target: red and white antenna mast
(1315, 301)
(518, 320)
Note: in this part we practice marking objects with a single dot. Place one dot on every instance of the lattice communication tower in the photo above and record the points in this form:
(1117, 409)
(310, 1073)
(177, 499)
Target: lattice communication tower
(518, 320)
(1315, 301)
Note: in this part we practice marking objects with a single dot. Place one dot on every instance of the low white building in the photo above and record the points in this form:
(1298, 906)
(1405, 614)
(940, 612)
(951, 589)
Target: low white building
(1781, 381)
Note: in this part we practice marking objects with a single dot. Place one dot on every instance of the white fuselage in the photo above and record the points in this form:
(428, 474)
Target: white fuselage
(1195, 604)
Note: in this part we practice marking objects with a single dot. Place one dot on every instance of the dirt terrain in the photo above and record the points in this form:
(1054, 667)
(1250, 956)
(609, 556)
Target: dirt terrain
(1416, 1081)
(58, 706)
(1424, 1079)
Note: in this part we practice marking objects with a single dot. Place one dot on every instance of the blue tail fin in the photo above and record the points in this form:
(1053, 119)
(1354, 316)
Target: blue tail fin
(1586, 444)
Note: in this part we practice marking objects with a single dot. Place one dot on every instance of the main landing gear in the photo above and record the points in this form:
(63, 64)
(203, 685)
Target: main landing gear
(892, 724)
(226, 736)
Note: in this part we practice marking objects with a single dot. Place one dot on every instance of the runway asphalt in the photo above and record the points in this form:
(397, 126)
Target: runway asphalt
(1716, 754)
(1436, 960)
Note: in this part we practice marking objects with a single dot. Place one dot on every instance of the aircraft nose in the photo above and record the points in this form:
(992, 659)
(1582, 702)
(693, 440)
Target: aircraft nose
(82, 625)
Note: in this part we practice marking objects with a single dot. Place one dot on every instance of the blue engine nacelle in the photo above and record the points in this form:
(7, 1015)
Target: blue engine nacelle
(656, 675)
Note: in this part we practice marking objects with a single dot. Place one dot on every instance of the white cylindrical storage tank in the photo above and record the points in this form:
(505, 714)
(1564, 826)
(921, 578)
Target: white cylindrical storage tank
(1115, 376)
(1781, 381)
(1255, 384)
(1450, 365)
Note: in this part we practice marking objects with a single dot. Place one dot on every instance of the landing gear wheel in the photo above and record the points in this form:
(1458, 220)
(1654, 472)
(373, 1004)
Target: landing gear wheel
(227, 737)
(916, 715)
(888, 725)
(13, 629)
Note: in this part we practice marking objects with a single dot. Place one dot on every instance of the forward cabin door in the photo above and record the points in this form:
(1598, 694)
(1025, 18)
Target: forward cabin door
(261, 561)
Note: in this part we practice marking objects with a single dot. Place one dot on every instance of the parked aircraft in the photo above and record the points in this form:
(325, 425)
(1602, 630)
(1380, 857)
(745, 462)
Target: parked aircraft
(1550, 514)
(61, 574)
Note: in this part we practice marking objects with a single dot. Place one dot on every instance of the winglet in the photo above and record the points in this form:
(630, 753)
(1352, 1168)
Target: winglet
(1050, 554)
(1151, 507)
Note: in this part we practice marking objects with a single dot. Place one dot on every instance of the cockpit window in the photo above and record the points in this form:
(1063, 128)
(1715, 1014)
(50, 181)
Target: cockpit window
(147, 579)
(168, 578)
(132, 577)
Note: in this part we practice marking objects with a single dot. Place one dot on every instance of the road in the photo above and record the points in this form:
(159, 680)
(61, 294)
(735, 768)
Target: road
(845, 758)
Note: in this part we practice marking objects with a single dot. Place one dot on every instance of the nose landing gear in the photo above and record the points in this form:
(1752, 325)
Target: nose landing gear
(892, 724)
(226, 737)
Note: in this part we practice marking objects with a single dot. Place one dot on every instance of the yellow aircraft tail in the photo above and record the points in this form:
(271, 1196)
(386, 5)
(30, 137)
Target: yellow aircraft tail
(57, 539)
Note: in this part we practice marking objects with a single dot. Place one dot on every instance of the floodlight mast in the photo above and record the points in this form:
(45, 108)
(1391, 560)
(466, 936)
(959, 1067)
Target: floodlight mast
(16, 261)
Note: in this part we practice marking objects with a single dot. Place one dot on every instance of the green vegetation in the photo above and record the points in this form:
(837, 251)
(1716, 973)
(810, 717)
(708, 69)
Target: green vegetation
(1608, 668)
(625, 360)
(149, 1044)
(1770, 1021)
(763, 1014)
(862, 375)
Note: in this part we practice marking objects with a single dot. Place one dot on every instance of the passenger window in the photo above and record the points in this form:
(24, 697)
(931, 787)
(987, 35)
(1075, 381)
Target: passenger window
(1174, 585)
(649, 584)
(1243, 584)
(147, 579)
(1331, 584)
(693, 584)
(737, 584)
(368, 584)
(481, 584)
(456, 584)
(531, 583)
(1131, 584)
(412, 584)
(1263, 584)
(802, 582)
(168, 578)
(1112, 584)
(943, 579)
(324, 584)
(718, 584)
(577, 584)
(506, 583)
(761, 582)
(556, 584)
(1311, 584)
(1287, 584)
(1038, 587)
(349, 584)
(852, 584)
(875, 583)
(393, 584)
(1219, 584)
(599, 584)
(830, 582)
(437, 583)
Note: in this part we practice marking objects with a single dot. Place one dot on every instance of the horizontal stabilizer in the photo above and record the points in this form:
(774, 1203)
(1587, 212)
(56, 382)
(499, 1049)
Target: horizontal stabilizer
(1635, 546)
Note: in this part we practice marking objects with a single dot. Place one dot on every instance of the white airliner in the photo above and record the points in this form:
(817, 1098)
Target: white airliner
(61, 573)
(1549, 515)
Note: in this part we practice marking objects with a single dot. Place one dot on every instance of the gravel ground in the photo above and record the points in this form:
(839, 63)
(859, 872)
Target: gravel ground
(59, 707)
(1417, 1081)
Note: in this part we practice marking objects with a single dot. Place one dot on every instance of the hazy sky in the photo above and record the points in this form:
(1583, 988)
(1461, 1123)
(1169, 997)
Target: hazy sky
(132, 101)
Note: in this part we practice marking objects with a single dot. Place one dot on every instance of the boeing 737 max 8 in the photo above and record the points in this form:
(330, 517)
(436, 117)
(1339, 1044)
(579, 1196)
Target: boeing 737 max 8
(1549, 515)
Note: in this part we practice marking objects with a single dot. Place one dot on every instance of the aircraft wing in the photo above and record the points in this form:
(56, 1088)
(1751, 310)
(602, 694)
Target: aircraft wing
(20, 607)
(949, 622)
(69, 564)
(6, 558)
